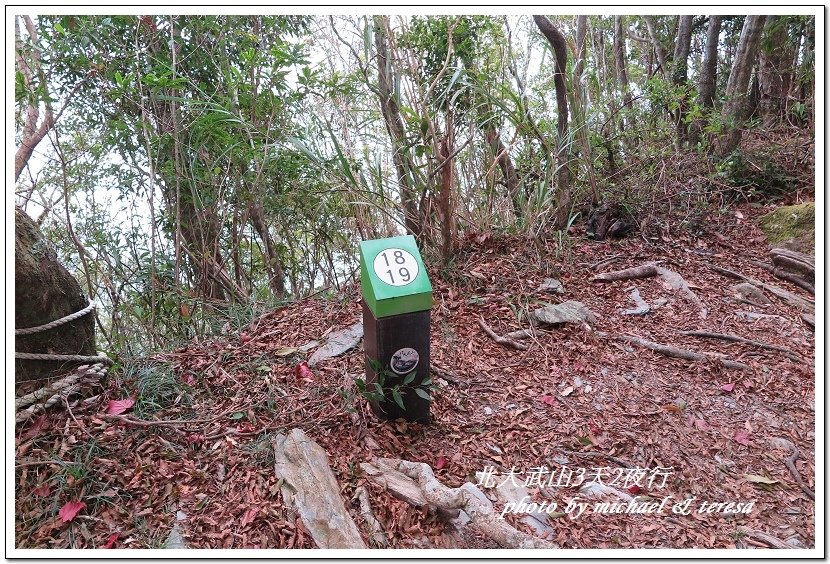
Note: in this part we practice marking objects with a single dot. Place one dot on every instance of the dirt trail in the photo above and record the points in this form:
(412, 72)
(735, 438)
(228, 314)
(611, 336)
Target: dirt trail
(574, 398)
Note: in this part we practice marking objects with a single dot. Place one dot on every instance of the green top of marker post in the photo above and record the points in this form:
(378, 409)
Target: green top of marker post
(393, 278)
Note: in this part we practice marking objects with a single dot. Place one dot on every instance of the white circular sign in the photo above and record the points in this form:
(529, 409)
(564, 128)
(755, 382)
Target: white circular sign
(404, 361)
(396, 267)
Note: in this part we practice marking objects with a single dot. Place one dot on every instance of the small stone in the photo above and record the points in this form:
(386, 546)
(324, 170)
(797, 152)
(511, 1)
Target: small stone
(567, 312)
(510, 406)
(488, 411)
(578, 382)
(552, 285)
(588, 389)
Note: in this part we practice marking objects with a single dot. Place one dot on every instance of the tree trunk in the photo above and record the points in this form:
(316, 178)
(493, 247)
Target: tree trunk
(771, 71)
(680, 65)
(557, 43)
(708, 73)
(581, 99)
(658, 45)
(508, 170)
(446, 150)
(736, 88)
(394, 125)
(44, 291)
(620, 64)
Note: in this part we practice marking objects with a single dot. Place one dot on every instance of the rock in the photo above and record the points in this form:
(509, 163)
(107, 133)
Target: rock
(308, 346)
(566, 312)
(175, 540)
(792, 227)
(312, 489)
(488, 411)
(552, 285)
(338, 343)
(747, 291)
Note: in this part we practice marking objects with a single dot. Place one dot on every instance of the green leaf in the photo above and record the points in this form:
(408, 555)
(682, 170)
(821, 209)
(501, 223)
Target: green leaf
(422, 393)
(237, 416)
(59, 28)
(427, 381)
(396, 395)
(409, 378)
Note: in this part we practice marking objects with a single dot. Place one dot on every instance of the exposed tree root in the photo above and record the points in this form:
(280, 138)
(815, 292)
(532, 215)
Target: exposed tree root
(504, 341)
(678, 353)
(788, 276)
(415, 483)
(651, 269)
(737, 339)
(808, 306)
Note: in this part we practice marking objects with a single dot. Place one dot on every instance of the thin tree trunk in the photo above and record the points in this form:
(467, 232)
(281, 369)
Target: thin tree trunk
(708, 75)
(394, 125)
(739, 77)
(771, 71)
(557, 43)
(446, 150)
(581, 99)
(508, 170)
(619, 61)
(680, 74)
(658, 46)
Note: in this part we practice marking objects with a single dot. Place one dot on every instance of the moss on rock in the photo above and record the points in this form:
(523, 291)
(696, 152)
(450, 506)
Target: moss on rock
(792, 227)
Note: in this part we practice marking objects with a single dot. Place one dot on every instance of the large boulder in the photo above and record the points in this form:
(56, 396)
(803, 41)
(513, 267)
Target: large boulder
(45, 291)
(792, 227)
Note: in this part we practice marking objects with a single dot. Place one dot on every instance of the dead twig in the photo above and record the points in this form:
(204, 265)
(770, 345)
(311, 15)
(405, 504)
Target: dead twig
(504, 341)
(790, 463)
(606, 262)
(737, 339)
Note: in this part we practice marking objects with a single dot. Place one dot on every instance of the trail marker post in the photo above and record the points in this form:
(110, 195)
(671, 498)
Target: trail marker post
(397, 297)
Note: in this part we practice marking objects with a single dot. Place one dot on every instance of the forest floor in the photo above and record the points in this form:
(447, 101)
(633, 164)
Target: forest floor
(576, 398)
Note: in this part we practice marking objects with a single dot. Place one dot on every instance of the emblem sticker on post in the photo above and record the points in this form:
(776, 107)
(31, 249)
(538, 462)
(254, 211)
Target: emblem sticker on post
(404, 361)
(396, 267)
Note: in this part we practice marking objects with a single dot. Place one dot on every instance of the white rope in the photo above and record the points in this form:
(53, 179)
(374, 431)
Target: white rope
(56, 323)
(66, 357)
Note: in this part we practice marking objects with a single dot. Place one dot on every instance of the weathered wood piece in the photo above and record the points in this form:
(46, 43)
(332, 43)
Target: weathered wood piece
(567, 312)
(311, 488)
(467, 498)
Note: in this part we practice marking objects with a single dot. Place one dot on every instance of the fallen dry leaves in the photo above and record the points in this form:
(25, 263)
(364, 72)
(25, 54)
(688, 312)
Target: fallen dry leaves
(573, 398)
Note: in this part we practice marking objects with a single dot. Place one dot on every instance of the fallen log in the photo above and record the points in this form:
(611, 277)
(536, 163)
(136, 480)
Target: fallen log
(651, 269)
(416, 481)
(808, 306)
(674, 352)
(737, 339)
